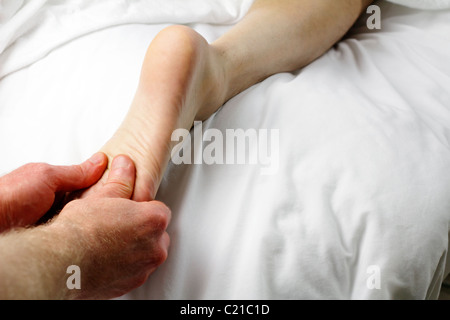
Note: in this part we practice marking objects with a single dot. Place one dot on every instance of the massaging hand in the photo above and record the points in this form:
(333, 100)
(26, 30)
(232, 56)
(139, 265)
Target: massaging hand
(115, 242)
(121, 241)
(30, 191)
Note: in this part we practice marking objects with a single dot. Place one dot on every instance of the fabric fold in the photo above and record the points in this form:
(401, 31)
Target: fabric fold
(30, 29)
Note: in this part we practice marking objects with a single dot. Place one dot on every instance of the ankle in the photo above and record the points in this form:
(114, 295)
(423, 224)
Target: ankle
(241, 67)
(215, 85)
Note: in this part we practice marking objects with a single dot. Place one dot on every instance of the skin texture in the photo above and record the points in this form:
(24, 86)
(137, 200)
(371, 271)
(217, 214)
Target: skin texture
(31, 190)
(117, 242)
(185, 78)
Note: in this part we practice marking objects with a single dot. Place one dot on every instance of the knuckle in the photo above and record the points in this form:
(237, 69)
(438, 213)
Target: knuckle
(160, 220)
(42, 170)
(45, 173)
(154, 250)
(154, 222)
(161, 256)
(160, 214)
(120, 187)
(156, 256)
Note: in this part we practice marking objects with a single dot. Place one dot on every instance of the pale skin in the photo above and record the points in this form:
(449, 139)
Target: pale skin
(183, 78)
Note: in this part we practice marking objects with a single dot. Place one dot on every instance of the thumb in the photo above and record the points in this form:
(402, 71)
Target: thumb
(121, 179)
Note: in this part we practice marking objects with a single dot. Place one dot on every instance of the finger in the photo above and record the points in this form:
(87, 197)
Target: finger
(165, 211)
(76, 177)
(161, 251)
(164, 242)
(159, 213)
(121, 179)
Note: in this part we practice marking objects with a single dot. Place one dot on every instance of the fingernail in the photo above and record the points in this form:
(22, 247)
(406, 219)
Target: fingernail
(97, 158)
(120, 162)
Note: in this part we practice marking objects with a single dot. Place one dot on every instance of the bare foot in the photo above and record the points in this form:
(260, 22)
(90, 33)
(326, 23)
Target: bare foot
(182, 80)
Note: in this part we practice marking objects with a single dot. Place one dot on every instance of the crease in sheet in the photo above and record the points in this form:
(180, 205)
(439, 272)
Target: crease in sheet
(30, 29)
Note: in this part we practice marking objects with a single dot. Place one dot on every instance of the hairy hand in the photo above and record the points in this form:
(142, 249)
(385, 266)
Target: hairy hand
(30, 191)
(116, 242)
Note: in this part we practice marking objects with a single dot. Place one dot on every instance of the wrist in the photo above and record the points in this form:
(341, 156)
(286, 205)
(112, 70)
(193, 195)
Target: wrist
(34, 265)
(65, 250)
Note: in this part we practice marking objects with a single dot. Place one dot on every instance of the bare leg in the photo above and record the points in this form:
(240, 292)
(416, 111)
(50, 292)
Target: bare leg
(181, 75)
(184, 78)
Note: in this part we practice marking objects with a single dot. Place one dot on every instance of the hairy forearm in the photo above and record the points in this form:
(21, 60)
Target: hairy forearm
(283, 35)
(33, 264)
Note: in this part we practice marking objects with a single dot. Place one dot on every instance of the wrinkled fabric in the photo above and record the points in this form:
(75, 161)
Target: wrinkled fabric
(358, 205)
(30, 29)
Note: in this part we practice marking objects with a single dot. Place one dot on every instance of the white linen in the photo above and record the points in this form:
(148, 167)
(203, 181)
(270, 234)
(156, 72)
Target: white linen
(362, 184)
(30, 29)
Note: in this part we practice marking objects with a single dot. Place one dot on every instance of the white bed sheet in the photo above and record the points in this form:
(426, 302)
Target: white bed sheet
(362, 184)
